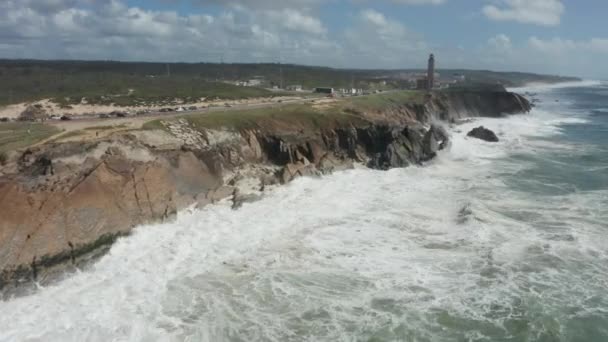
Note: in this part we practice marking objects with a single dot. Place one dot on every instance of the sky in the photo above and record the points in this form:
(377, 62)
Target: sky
(564, 37)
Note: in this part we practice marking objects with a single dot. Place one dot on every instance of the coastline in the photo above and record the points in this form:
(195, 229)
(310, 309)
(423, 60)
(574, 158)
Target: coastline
(125, 181)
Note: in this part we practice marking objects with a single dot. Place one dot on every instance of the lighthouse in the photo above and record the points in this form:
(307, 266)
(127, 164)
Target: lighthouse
(430, 76)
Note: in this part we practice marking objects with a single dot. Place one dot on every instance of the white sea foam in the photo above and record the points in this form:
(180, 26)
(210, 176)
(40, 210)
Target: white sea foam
(545, 87)
(448, 251)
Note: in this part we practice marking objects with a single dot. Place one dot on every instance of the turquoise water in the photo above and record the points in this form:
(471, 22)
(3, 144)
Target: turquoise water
(489, 242)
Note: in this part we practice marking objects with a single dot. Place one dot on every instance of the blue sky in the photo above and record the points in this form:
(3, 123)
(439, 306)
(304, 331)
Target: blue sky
(548, 36)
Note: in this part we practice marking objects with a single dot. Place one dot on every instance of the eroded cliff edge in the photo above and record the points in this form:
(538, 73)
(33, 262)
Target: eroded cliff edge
(60, 202)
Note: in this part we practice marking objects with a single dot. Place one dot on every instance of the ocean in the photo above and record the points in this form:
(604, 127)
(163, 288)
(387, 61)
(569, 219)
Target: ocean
(488, 242)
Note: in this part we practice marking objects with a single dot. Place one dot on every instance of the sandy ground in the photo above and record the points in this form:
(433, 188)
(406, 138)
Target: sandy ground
(85, 128)
(325, 103)
(93, 127)
(51, 108)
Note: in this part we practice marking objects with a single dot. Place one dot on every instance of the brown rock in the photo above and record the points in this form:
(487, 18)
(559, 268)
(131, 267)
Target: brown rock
(109, 200)
(300, 169)
(254, 145)
(202, 201)
(220, 193)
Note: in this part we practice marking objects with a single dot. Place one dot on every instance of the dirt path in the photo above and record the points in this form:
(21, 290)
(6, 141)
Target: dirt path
(138, 121)
(85, 128)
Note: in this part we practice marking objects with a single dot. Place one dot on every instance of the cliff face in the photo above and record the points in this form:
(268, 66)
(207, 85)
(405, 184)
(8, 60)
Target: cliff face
(61, 202)
(463, 104)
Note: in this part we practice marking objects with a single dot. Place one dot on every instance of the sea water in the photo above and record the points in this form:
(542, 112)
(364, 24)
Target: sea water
(489, 242)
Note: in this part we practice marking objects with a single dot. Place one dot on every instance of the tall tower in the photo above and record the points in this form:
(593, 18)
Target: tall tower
(430, 76)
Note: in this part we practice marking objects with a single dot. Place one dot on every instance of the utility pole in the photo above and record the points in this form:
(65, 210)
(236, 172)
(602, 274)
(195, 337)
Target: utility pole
(281, 74)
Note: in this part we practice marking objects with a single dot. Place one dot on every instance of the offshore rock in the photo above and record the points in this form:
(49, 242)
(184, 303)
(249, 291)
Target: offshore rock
(483, 134)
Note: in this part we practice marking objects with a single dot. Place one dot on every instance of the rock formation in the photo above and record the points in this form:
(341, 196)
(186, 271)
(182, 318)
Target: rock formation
(483, 134)
(60, 202)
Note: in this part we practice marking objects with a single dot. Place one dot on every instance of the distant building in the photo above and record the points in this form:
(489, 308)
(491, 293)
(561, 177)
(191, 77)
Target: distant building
(351, 91)
(323, 90)
(459, 77)
(430, 75)
(294, 87)
(254, 82)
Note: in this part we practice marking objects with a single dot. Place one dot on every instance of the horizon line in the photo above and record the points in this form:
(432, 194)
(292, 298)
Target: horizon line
(2, 59)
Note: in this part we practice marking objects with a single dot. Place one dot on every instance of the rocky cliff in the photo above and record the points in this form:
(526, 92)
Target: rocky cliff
(61, 202)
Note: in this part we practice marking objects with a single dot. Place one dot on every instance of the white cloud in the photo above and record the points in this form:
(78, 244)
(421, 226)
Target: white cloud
(560, 47)
(384, 28)
(293, 20)
(297, 4)
(112, 29)
(51, 6)
(554, 56)
(539, 12)
(599, 45)
(500, 42)
(420, 2)
(376, 40)
(258, 4)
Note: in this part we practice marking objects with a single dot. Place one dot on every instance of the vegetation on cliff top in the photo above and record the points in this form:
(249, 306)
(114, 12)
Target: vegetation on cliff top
(289, 117)
(384, 100)
(23, 85)
(319, 113)
(342, 111)
(18, 135)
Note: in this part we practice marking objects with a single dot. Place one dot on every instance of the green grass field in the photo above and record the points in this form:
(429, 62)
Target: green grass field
(121, 89)
(383, 100)
(141, 91)
(290, 115)
(70, 134)
(105, 128)
(298, 115)
(17, 135)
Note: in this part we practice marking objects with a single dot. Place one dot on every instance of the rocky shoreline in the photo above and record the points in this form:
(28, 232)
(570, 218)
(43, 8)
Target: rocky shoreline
(64, 203)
